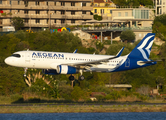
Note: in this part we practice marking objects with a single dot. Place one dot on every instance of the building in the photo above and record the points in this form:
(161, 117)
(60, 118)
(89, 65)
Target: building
(139, 20)
(101, 8)
(160, 7)
(39, 14)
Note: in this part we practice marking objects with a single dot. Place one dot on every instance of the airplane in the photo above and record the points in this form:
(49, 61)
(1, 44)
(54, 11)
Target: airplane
(54, 63)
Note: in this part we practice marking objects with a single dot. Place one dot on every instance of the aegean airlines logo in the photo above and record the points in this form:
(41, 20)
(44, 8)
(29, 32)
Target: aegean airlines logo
(143, 51)
(44, 54)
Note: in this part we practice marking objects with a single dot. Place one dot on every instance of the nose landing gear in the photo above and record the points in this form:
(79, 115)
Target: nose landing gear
(25, 72)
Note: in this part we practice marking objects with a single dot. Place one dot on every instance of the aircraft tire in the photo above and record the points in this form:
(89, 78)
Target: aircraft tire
(81, 77)
(25, 75)
(71, 77)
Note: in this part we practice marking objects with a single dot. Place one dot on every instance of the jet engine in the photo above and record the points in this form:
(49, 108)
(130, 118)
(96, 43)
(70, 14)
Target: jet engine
(65, 69)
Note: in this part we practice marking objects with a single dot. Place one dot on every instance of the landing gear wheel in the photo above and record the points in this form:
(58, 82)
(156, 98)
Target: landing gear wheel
(25, 71)
(25, 75)
(71, 77)
(81, 77)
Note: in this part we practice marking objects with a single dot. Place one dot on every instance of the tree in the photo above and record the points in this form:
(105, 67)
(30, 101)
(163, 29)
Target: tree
(77, 93)
(161, 19)
(163, 53)
(97, 17)
(146, 2)
(11, 81)
(114, 48)
(127, 35)
(120, 2)
(159, 26)
(18, 23)
(133, 2)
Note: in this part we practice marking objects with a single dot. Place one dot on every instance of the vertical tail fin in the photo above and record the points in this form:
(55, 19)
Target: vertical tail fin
(142, 50)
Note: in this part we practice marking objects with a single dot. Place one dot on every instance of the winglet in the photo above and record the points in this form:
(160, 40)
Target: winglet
(75, 51)
(120, 52)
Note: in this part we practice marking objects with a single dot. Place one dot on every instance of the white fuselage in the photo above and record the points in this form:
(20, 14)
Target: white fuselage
(50, 60)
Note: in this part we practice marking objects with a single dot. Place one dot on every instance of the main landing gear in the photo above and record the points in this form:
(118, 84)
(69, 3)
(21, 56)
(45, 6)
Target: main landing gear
(71, 78)
(81, 77)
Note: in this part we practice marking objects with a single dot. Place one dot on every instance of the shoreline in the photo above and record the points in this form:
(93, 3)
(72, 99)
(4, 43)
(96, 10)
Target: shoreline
(82, 108)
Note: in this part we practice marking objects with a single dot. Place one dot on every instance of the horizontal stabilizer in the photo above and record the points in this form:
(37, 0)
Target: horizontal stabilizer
(150, 61)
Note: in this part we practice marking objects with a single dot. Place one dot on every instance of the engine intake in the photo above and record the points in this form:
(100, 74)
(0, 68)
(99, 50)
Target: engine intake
(65, 69)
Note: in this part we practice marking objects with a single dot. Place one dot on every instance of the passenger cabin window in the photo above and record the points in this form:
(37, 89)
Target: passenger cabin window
(16, 55)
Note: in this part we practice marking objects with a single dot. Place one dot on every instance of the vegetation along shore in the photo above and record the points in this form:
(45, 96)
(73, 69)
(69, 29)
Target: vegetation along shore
(82, 108)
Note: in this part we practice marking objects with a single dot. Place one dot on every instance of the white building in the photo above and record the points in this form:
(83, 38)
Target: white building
(160, 6)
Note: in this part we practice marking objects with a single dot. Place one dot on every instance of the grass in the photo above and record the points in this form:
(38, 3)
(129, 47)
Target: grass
(5, 100)
(61, 106)
(81, 108)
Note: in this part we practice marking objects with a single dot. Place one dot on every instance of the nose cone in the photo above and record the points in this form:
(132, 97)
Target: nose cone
(12, 61)
(7, 61)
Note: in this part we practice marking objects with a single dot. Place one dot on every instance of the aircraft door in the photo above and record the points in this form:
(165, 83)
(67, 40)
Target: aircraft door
(127, 63)
(27, 58)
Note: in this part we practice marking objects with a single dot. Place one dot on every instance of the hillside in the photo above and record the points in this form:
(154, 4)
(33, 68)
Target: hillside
(58, 86)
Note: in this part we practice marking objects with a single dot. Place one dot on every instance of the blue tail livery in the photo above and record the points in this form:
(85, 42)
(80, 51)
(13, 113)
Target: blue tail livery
(139, 56)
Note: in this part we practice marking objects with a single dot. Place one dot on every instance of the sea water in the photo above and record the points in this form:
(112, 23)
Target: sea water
(86, 116)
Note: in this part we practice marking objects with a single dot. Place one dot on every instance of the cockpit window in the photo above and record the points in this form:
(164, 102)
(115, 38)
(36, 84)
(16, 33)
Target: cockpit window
(16, 55)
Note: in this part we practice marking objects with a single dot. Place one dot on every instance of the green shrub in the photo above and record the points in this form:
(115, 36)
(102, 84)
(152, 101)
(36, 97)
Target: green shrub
(16, 98)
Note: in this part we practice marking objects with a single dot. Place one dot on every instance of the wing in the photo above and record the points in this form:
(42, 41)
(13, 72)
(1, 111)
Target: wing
(96, 62)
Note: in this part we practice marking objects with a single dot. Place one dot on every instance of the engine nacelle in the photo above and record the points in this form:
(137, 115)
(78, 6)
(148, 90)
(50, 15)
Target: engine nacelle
(50, 71)
(65, 69)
